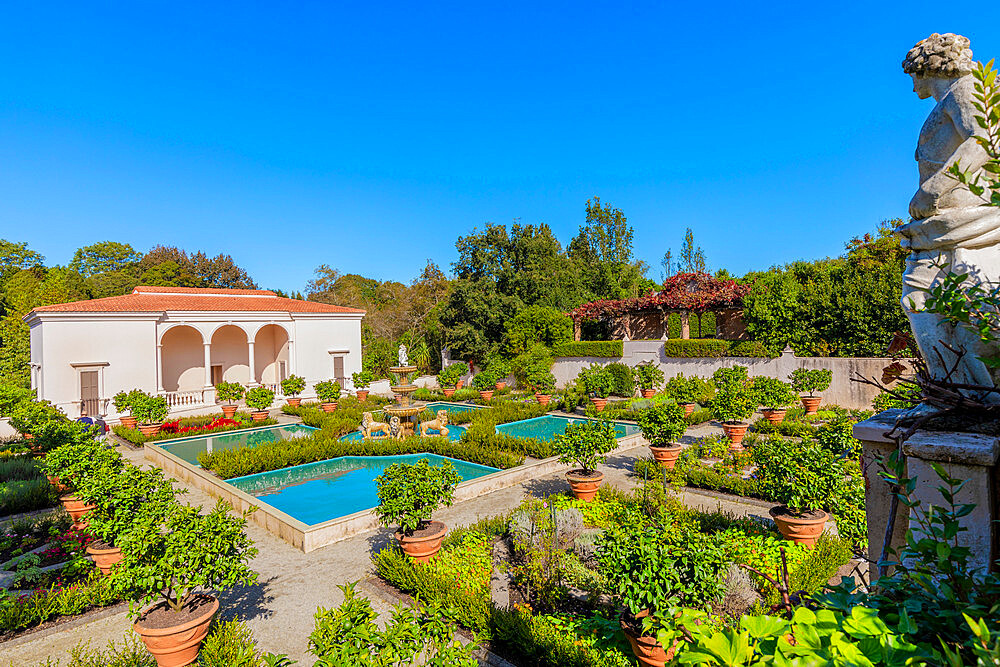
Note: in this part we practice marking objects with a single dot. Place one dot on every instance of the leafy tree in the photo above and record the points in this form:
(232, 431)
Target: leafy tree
(170, 274)
(536, 324)
(104, 257)
(193, 270)
(15, 257)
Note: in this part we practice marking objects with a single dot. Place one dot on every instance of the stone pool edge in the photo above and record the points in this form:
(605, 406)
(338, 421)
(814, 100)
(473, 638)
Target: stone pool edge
(308, 538)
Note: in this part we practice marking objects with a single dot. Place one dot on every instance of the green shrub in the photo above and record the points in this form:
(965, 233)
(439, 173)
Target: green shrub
(229, 644)
(46, 604)
(648, 375)
(229, 392)
(699, 416)
(328, 391)
(19, 468)
(149, 409)
(712, 347)
(595, 379)
(585, 443)
(734, 399)
(806, 380)
(362, 379)
(748, 348)
(450, 375)
(589, 348)
(260, 398)
(484, 381)
(533, 369)
(409, 494)
(772, 393)
(803, 476)
(622, 379)
(293, 385)
(662, 425)
(26, 495)
(909, 396)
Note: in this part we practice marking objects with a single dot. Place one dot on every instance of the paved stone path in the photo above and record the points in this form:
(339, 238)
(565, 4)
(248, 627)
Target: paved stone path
(280, 608)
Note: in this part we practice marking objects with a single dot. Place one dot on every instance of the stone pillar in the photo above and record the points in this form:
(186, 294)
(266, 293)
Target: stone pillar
(576, 330)
(627, 325)
(159, 368)
(685, 325)
(208, 365)
(252, 364)
(665, 321)
(291, 357)
(967, 456)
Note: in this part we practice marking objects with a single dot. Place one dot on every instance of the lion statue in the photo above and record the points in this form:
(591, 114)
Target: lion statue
(396, 428)
(440, 424)
(369, 427)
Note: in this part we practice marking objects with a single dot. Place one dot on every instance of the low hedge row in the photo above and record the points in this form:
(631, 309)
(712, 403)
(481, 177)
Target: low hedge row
(29, 611)
(712, 347)
(136, 437)
(26, 495)
(589, 348)
(296, 451)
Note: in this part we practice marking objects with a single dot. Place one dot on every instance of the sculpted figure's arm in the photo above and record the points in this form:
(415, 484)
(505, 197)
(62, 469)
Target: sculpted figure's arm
(940, 191)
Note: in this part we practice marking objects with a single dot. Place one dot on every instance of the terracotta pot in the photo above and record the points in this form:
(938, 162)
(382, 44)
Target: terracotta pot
(648, 651)
(76, 508)
(774, 415)
(149, 430)
(28, 436)
(735, 432)
(449, 392)
(424, 543)
(501, 386)
(293, 402)
(667, 456)
(688, 408)
(228, 411)
(648, 393)
(329, 407)
(811, 403)
(104, 559)
(459, 384)
(259, 415)
(486, 395)
(543, 399)
(128, 422)
(799, 529)
(584, 486)
(178, 645)
(362, 395)
(57, 484)
(599, 403)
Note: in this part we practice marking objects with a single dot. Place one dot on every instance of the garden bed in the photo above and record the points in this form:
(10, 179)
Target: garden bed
(24, 488)
(187, 427)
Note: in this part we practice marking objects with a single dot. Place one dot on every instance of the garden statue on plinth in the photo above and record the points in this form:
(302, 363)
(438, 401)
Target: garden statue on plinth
(403, 361)
(953, 229)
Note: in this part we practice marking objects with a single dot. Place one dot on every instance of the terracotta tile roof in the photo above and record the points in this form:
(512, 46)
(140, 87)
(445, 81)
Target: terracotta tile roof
(146, 299)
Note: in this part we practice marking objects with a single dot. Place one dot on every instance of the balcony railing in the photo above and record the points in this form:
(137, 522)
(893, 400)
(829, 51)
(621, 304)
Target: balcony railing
(184, 399)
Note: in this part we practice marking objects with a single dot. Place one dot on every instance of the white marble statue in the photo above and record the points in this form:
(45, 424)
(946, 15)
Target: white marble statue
(403, 361)
(949, 225)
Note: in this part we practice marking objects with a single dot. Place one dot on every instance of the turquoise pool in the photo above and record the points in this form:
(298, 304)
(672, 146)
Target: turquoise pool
(452, 407)
(547, 427)
(317, 492)
(189, 448)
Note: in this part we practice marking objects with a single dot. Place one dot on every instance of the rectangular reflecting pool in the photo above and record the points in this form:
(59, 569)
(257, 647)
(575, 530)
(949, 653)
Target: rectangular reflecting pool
(317, 492)
(547, 427)
(434, 406)
(189, 448)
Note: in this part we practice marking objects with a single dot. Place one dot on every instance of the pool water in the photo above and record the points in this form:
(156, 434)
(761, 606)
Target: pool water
(317, 492)
(452, 407)
(189, 448)
(547, 427)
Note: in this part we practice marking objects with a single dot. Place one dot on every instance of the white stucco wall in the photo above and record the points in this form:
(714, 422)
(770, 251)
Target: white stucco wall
(318, 341)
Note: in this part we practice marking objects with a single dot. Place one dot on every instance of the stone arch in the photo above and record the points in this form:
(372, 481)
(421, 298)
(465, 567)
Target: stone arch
(182, 358)
(271, 354)
(230, 350)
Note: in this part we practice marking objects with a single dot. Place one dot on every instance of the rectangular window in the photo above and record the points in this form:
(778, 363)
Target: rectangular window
(282, 371)
(338, 370)
(90, 392)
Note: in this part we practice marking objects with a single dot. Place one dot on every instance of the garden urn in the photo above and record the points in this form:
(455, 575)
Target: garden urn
(599, 403)
(688, 408)
(774, 415)
(648, 651)
(486, 395)
(424, 542)
(228, 411)
(104, 556)
(149, 430)
(76, 508)
(648, 393)
(294, 402)
(543, 399)
(259, 415)
(735, 431)
(362, 395)
(799, 527)
(584, 484)
(667, 456)
(501, 386)
(811, 403)
(128, 422)
(329, 407)
(448, 392)
(174, 638)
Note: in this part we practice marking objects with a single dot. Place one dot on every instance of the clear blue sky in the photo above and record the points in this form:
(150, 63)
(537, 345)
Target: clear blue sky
(369, 137)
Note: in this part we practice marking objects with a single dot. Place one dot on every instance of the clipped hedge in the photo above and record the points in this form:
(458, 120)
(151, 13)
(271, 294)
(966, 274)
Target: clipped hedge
(589, 348)
(296, 451)
(712, 347)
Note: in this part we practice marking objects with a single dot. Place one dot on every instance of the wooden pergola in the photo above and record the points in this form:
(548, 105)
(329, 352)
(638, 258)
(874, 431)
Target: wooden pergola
(645, 317)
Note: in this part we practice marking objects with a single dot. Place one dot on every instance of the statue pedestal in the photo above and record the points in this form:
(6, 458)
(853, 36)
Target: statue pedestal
(967, 456)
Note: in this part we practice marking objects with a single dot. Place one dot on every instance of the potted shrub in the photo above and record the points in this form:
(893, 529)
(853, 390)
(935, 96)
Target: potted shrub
(172, 561)
(362, 380)
(662, 425)
(484, 382)
(150, 411)
(811, 380)
(122, 402)
(260, 399)
(293, 385)
(119, 496)
(648, 376)
(229, 392)
(498, 369)
(328, 392)
(734, 403)
(804, 477)
(586, 445)
(408, 496)
(542, 382)
(685, 391)
(70, 464)
(596, 382)
(450, 377)
(773, 396)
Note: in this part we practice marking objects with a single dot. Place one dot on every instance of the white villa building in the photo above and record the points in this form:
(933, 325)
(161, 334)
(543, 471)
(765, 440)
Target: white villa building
(179, 342)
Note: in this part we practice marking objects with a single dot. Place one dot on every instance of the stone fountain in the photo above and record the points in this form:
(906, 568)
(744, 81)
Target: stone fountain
(404, 409)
